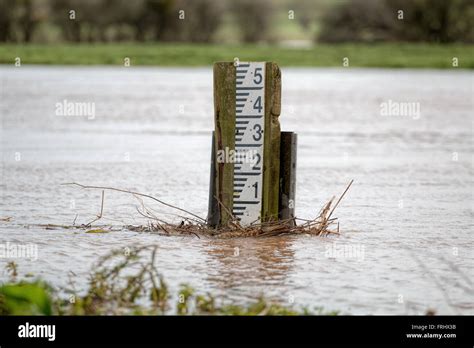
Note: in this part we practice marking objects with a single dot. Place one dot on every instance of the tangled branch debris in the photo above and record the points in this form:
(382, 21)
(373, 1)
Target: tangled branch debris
(192, 224)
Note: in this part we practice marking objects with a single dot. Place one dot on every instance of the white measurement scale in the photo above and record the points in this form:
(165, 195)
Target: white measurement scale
(249, 134)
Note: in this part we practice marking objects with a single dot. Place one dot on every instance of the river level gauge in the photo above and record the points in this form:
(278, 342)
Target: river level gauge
(247, 186)
(249, 144)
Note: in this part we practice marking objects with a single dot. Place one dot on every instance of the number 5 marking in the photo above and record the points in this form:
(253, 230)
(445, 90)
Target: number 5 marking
(258, 75)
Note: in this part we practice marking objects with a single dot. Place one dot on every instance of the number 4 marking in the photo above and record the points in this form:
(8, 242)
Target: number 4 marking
(258, 104)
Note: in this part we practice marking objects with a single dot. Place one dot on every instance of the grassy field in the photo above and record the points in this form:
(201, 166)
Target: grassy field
(162, 54)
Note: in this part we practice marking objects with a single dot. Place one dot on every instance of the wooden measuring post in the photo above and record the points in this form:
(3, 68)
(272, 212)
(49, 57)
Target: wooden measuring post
(271, 158)
(224, 136)
(213, 212)
(247, 105)
(288, 176)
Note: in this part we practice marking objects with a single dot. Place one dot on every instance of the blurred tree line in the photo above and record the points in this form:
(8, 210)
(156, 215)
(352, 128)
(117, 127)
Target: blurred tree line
(255, 20)
(400, 20)
(111, 20)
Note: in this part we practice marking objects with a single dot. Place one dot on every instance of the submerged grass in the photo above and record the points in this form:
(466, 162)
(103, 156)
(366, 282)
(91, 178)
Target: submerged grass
(127, 282)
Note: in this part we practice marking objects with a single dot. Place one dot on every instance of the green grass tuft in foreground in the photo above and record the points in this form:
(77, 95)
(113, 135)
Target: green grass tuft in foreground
(126, 282)
(386, 55)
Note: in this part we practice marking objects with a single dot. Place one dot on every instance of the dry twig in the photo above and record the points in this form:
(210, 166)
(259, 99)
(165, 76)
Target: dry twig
(320, 226)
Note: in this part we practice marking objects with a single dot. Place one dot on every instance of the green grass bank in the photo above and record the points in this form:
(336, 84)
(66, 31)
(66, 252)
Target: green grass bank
(386, 55)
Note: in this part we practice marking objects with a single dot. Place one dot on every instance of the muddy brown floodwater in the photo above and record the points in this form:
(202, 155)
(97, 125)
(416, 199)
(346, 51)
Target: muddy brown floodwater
(406, 223)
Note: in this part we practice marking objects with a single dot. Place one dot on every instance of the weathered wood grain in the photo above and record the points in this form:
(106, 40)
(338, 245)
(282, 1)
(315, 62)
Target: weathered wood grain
(271, 150)
(213, 217)
(288, 153)
(224, 133)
